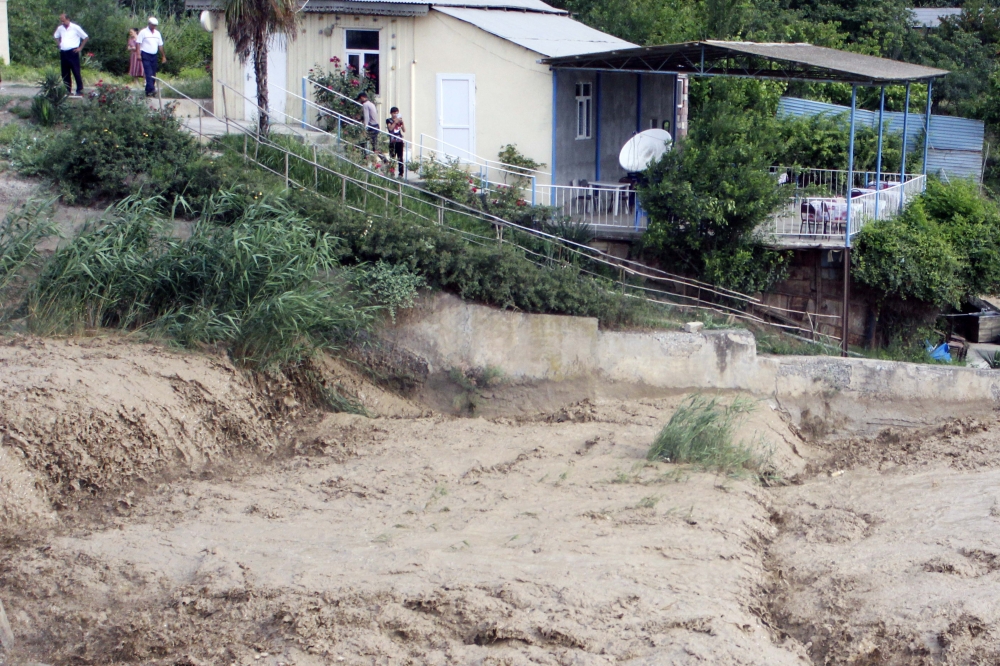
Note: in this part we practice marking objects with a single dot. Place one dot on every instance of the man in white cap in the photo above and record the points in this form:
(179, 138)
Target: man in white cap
(150, 43)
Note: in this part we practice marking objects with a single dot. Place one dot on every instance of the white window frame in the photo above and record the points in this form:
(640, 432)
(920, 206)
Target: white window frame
(584, 110)
(362, 53)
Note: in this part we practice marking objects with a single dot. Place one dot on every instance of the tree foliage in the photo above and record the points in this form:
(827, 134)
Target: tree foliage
(250, 25)
(942, 250)
(707, 197)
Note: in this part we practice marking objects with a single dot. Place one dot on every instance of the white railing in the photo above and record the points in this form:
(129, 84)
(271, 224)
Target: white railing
(602, 207)
(828, 182)
(825, 217)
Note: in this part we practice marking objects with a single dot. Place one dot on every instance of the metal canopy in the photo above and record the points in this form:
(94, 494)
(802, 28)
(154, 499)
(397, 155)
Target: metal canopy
(787, 62)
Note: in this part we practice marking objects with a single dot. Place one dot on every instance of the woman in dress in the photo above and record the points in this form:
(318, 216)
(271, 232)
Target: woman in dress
(134, 57)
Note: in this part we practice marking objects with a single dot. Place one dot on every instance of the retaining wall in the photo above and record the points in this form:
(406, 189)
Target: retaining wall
(824, 394)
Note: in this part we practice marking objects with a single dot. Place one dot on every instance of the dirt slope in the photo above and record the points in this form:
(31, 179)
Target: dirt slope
(420, 540)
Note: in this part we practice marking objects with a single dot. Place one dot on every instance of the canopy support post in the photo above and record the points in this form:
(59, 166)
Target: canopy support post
(878, 158)
(846, 310)
(902, 158)
(927, 124)
(597, 128)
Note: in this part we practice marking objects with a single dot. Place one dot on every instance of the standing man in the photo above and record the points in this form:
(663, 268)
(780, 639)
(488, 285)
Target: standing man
(369, 116)
(150, 43)
(71, 39)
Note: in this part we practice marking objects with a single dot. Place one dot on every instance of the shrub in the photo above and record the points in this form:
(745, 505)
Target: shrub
(700, 432)
(116, 146)
(20, 232)
(707, 197)
(393, 286)
(47, 105)
(266, 286)
(342, 79)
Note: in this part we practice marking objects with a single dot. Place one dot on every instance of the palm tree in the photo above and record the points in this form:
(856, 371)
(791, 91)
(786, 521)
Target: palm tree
(250, 25)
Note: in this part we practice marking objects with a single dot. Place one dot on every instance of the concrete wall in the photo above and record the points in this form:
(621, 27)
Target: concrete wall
(4, 34)
(822, 394)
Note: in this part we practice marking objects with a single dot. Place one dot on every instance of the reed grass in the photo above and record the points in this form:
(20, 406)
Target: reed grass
(700, 432)
(267, 285)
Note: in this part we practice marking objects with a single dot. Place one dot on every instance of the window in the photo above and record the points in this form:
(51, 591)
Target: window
(363, 53)
(584, 109)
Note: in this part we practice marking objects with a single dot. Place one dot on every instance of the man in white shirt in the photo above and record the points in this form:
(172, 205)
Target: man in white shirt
(150, 43)
(71, 39)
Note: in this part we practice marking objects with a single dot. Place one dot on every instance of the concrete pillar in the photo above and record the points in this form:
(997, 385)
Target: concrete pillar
(4, 36)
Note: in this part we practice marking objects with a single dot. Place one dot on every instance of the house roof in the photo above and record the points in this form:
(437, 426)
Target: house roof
(551, 35)
(803, 62)
(394, 7)
(930, 17)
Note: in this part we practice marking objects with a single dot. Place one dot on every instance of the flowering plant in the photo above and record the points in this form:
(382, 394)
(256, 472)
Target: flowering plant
(338, 88)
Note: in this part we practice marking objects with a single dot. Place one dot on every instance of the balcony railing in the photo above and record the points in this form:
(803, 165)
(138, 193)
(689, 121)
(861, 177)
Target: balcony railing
(818, 209)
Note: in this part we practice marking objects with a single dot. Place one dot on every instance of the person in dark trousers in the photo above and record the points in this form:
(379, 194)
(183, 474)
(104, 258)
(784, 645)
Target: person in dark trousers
(71, 39)
(369, 116)
(396, 128)
(150, 43)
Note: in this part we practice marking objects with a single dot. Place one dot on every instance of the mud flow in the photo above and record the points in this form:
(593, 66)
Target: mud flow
(160, 507)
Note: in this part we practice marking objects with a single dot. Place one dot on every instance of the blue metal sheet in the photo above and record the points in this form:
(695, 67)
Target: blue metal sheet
(949, 134)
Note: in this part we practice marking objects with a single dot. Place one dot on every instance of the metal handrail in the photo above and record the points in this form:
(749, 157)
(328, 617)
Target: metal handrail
(445, 205)
(632, 268)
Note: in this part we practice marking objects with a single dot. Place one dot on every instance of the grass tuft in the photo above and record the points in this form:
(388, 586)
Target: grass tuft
(700, 433)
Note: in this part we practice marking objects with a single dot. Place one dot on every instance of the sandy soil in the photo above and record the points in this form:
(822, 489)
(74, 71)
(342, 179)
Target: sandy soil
(891, 556)
(161, 507)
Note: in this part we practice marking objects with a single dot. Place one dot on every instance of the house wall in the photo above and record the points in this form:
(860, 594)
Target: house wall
(513, 91)
(615, 122)
(312, 47)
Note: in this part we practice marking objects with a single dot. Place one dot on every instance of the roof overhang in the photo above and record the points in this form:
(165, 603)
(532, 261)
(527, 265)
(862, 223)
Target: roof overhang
(334, 7)
(785, 62)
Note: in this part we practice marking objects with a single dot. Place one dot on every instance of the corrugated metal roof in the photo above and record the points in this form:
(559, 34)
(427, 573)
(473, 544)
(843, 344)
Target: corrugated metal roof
(551, 35)
(394, 6)
(804, 62)
(956, 144)
(930, 17)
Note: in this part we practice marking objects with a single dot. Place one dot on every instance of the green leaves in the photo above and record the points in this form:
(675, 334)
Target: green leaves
(943, 249)
(707, 197)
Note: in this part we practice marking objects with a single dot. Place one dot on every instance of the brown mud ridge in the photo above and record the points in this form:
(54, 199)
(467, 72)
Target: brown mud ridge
(163, 507)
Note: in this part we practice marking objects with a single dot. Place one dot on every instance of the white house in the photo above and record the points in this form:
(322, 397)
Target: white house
(467, 73)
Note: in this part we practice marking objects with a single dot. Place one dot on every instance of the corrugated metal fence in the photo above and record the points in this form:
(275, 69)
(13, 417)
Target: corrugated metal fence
(956, 146)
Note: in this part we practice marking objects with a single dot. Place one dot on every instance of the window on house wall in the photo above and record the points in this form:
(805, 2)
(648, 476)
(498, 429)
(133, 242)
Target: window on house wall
(584, 110)
(363, 53)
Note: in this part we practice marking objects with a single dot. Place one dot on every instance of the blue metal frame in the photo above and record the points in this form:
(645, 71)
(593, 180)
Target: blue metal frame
(555, 116)
(878, 157)
(597, 128)
(304, 96)
(850, 167)
(927, 124)
(902, 158)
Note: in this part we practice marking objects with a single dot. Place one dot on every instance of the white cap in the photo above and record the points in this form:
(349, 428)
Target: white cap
(153, 21)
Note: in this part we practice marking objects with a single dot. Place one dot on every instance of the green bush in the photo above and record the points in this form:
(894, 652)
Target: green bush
(700, 432)
(496, 275)
(114, 146)
(707, 197)
(266, 286)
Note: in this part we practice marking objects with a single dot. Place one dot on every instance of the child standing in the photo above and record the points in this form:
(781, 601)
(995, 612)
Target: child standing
(395, 126)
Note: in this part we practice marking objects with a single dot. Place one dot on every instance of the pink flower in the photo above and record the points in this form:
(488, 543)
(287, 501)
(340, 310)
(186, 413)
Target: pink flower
(475, 189)
(355, 82)
(90, 55)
